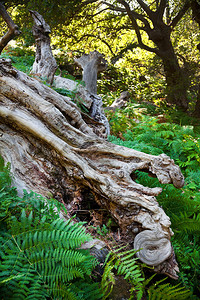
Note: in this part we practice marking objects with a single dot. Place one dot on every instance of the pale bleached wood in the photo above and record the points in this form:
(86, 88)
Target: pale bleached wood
(53, 150)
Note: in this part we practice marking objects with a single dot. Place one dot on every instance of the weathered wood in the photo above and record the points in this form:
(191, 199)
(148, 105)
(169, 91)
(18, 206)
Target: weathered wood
(92, 64)
(93, 103)
(45, 64)
(53, 150)
(120, 102)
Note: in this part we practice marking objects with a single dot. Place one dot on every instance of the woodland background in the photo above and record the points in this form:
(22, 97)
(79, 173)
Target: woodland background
(155, 120)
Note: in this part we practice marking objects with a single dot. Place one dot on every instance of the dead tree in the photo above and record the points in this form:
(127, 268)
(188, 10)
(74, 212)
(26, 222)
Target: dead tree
(13, 29)
(92, 64)
(120, 102)
(53, 150)
(45, 64)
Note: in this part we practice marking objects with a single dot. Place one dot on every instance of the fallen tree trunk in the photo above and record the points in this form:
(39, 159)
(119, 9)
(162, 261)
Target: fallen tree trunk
(53, 150)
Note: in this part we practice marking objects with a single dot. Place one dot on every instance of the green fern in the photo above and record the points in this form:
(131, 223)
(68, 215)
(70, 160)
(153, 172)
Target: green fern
(125, 264)
(183, 223)
(42, 261)
(167, 292)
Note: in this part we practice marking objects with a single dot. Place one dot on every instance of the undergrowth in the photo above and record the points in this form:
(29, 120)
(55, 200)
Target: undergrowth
(40, 253)
(154, 135)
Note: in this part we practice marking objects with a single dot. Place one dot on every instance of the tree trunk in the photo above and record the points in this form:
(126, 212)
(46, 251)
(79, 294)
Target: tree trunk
(196, 16)
(177, 78)
(53, 150)
(92, 64)
(196, 112)
(45, 64)
(13, 29)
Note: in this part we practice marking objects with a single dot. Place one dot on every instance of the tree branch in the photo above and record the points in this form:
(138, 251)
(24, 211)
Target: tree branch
(180, 14)
(146, 8)
(95, 36)
(130, 46)
(13, 28)
(113, 7)
(84, 3)
(161, 9)
(133, 15)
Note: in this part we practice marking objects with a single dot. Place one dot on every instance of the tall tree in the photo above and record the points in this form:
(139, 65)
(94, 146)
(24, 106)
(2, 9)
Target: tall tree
(155, 19)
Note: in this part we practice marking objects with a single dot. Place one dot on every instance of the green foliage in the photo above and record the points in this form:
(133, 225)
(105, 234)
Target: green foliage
(45, 252)
(125, 264)
(40, 253)
(167, 291)
(22, 59)
(102, 231)
(187, 251)
(181, 143)
(73, 95)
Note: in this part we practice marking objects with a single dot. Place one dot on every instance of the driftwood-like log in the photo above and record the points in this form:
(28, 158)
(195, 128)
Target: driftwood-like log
(13, 29)
(92, 64)
(45, 64)
(53, 150)
(120, 102)
(93, 103)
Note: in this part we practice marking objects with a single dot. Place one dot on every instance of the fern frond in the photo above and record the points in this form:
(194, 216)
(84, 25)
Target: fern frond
(167, 292)
(40, 262)
(124, 264)
(183, 223)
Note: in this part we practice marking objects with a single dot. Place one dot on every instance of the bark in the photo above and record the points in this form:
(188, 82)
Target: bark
(196, 112)
(45, 64)
(96, 118)
(13, 29)
(53, 150)
(92, 64)
(177, 78)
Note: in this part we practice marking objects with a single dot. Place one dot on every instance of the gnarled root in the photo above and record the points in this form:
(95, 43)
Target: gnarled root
(52, 149)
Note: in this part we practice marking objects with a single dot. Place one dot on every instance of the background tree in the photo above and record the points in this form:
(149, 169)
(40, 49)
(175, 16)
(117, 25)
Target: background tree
(151, 18)
(196, 15)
